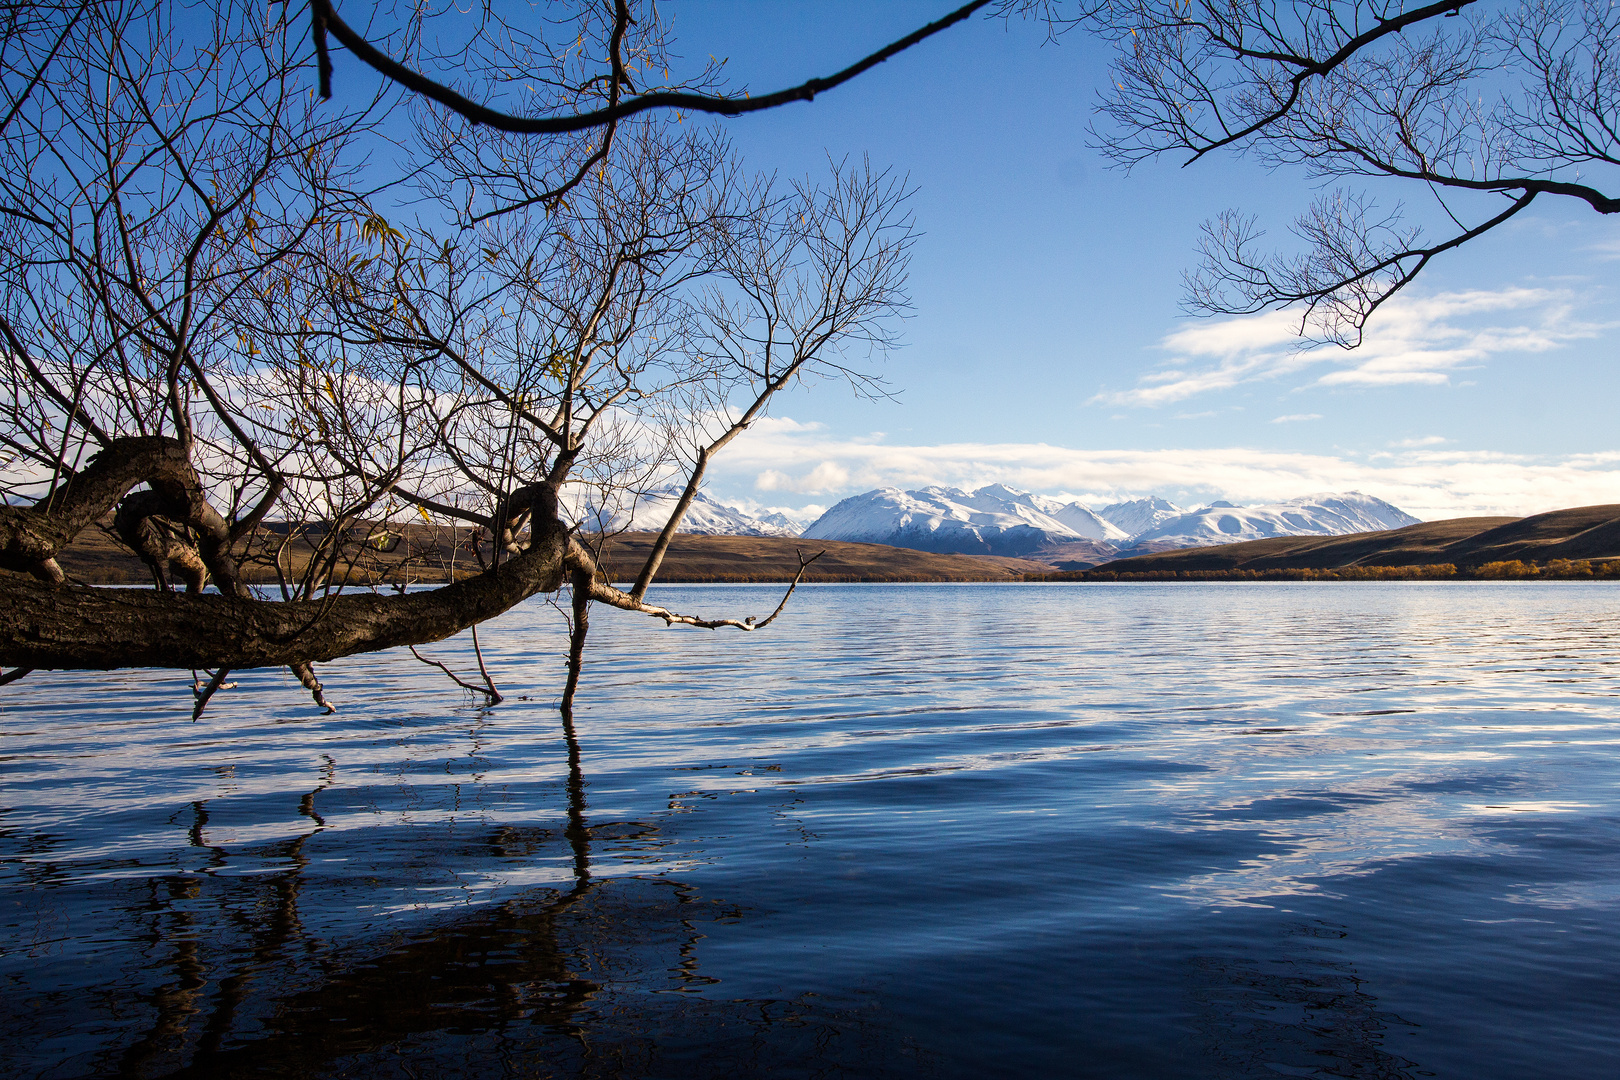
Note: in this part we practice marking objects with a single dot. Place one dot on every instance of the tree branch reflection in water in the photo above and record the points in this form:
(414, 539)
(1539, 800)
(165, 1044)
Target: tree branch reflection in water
(216, 974)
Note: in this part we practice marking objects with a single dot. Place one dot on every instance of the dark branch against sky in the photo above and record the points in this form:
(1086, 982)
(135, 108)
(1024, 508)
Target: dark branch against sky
(326, 20)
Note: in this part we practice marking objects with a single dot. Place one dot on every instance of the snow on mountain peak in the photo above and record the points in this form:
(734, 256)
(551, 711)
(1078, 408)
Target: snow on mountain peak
(781, 521)
(1139, 515)
(704, 517)
(1000, 520)
(995, 519)
(1323, 514)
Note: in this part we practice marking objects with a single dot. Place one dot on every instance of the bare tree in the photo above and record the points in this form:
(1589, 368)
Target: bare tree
(1484, 108)
(200, 298)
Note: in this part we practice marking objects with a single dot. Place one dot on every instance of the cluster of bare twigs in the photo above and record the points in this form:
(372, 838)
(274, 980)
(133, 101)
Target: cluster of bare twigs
(1485, 107)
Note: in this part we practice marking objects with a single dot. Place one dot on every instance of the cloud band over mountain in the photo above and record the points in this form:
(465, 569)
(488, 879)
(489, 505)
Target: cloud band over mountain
(782, 460)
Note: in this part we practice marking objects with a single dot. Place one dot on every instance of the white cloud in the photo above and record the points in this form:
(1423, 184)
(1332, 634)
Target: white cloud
(804, 515)
(1413, 340)
(1607, 247)
(1426, 440)
(825, 477)
(773, 424)
(1230, 338)
(1428, 482)
(1294, 418)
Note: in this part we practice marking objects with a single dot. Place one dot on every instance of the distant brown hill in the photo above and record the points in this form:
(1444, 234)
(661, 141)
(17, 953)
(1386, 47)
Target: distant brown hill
(771, 558)
(1585, 532)
(97, 558)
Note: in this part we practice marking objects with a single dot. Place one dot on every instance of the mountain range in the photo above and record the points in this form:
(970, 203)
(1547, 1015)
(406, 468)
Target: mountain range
(994, 520)
(1582, 532)
(998, 520)
(1325, 514)
(1139, 515)
(1001, 520)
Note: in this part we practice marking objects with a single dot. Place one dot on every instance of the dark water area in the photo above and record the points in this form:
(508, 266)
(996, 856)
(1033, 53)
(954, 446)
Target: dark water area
(1223, 830)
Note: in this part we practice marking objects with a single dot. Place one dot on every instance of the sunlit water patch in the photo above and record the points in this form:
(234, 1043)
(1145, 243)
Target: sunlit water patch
(1335, 830)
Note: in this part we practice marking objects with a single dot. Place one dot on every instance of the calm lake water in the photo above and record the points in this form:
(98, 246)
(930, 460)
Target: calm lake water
(1223, 830)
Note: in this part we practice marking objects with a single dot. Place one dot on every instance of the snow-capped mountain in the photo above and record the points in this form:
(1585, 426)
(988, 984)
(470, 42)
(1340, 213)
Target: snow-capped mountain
(999, 498)
(994, 520)
(999, 520)
(1139, 515)
(1326, 514)
(703, 517)
(788, 526)
(1089, 523)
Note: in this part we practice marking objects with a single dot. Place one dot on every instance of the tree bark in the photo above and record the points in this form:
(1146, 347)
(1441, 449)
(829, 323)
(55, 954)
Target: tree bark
(582, 580)
(31, 537)
(74, 626)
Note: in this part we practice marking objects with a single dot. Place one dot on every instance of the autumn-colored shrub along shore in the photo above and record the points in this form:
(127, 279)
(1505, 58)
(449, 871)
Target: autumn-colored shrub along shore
(1553, 569)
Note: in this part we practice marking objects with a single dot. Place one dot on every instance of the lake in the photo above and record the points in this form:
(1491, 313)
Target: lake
(1163, 830)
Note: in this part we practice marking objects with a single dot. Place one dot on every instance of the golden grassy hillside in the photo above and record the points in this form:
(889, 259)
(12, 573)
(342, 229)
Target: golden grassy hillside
(1582, 533)
(98, 558)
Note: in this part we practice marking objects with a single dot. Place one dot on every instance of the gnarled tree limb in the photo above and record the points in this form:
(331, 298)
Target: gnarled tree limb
(31, 537)
(79, 627)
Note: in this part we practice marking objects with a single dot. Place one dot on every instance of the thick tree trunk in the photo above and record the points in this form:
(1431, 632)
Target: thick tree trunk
(72, 626)
(47, 624)
(31, 537)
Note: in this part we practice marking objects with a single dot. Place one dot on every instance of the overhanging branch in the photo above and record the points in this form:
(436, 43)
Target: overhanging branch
(325, 19)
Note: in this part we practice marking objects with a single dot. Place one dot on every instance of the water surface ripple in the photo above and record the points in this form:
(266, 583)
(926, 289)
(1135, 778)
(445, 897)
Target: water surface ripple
(1188, 830)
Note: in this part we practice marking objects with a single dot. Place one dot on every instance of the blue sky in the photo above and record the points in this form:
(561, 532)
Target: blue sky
(1047, 348)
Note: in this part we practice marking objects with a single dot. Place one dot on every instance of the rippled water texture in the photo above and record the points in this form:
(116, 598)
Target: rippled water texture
(1248, 830)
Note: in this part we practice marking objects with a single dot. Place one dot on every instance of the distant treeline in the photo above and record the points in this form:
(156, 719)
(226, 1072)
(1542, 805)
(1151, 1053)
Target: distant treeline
(829, 579)
(1553, 569)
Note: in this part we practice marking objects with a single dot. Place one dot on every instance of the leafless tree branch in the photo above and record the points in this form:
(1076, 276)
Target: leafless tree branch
(325, 19)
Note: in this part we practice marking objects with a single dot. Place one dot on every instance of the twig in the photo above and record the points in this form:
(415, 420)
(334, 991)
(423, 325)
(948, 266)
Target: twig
(607, 594)
(325, 20)
(306, 675)
(490, 691)
(203, 694)
(495, 697)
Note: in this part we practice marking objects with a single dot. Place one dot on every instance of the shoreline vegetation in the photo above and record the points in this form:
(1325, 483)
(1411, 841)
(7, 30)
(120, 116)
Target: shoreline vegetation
(1507, 570)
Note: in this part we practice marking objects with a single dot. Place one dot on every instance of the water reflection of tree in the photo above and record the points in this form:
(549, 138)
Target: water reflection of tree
(1301, 1011)
(238, 976)
(494, 967)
